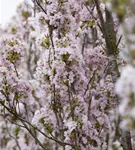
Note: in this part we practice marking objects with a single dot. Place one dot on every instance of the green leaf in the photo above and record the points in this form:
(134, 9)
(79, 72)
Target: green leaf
(17, 129)
(97, 125)
(42, 121)
(14, 30)
(65, 57)
(13, 56)
(91, 23)
(46, 42)
(48, 128)
(66, 83)
(26, 14)
(11, 43)
(77, 148)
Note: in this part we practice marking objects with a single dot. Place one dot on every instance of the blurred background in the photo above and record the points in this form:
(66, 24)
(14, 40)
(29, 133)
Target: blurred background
(7, 10)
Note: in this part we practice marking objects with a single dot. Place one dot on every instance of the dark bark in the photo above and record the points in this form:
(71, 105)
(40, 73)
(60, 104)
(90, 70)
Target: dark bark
(111, 51)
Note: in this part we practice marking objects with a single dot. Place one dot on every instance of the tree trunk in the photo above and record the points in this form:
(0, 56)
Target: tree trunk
(111, 51)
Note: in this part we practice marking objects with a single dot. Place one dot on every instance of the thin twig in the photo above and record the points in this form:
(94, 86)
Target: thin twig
(91, 79)
(22, 120)
(13, 137)
(119, 41)
(38, 3)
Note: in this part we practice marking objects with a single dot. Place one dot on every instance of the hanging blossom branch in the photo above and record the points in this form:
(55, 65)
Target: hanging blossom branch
(24, 122)
(50, 27)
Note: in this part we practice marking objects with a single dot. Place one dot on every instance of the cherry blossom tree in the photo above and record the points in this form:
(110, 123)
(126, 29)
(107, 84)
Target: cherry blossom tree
(59, 64)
